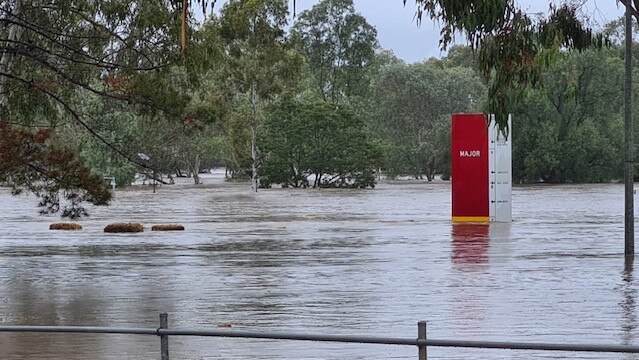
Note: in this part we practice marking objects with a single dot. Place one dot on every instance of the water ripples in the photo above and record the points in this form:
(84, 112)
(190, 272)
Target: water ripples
(370, 262)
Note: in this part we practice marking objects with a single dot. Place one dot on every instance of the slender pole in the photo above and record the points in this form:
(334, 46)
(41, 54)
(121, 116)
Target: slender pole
(421, 335)
(164, 339)
(629, 223)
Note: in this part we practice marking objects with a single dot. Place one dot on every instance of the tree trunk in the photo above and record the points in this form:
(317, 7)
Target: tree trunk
(254, 150)
(196, 170)
(254, 164)
(429, 170)
(6, 61)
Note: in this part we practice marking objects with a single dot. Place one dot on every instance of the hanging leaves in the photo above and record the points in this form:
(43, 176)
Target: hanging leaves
(513, 48)
(32, 161)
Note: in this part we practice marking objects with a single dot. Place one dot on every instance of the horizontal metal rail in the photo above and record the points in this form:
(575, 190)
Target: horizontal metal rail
(422, 342)
(531, 346)
(355, 339)
(77, 329)
(403, 341)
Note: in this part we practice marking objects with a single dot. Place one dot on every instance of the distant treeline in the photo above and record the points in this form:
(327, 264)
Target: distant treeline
(321, 104)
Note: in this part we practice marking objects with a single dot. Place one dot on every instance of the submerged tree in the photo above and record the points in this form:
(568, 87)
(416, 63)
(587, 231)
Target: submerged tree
(322, 142)
(569, 131)
(411, 104)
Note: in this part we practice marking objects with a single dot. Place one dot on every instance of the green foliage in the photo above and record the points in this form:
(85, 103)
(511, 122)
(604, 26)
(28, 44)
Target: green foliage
(514, 49)
(256, 45)
(570, 130)
(56, 53)
(412, 108)
(33, 161)
(262, 64)
(117, 124)
(338, 43)
(462, 56)
(322, 142)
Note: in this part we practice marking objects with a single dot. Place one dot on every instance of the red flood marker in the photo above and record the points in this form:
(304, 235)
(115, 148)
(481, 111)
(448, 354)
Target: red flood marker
(481, 169)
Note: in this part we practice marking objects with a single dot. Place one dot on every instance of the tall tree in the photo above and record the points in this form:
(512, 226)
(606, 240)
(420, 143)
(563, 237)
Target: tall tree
(261, 61)
(411, 102)
(339, 43)
(51, 51)
(569, 130)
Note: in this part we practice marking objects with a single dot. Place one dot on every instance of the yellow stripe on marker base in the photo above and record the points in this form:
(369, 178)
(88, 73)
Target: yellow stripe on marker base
(477, 219)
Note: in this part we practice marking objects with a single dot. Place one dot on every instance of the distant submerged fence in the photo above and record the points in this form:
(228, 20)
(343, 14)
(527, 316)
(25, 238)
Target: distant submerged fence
(421, 342)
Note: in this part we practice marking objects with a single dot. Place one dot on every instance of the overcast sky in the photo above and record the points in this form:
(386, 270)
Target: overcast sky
(398, 31)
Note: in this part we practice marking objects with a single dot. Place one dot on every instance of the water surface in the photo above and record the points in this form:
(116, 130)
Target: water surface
(370, 262)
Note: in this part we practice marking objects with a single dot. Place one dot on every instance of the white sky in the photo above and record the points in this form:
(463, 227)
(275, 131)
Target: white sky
(397, 30)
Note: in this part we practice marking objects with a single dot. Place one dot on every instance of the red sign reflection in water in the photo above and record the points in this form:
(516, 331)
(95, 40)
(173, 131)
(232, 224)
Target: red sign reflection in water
(470, 243)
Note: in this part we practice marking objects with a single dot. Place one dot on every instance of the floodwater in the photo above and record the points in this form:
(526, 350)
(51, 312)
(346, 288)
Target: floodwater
(367, 262)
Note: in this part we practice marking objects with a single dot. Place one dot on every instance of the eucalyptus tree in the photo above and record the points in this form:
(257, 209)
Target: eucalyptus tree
(51, 52)
(117, 123)
(569, 130)
(200, 137)
(261, 62)
(411, 103)
(338, 43)
(320, 145)
(513, 49)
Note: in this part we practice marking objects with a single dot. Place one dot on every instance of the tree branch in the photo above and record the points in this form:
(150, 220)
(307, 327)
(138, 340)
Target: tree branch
(632, 8)
(78, 119)
(96, 62)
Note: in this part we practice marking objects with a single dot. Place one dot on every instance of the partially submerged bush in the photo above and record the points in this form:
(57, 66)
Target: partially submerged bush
(167, 227)
(124, 228)
(65, 226)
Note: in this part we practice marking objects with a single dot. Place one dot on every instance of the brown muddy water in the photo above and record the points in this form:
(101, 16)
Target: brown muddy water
(369, 262)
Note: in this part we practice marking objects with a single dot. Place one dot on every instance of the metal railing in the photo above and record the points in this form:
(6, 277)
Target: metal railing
(422, 342)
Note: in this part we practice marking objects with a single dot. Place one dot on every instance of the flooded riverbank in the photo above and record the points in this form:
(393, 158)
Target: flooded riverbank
(329, 261)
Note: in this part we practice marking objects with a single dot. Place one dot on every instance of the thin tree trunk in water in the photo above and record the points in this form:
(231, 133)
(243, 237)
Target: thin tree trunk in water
(6, 63)
(254, 177)
(254, 149)
(196, 170)
(429, 170)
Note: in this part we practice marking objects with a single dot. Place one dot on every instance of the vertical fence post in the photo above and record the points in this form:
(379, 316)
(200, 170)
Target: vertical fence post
(421, 335)
(164, 339)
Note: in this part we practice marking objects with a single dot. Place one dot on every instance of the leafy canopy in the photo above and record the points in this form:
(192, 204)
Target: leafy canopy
(514, 48)
(338, 43)
(54, 53)
(318, 141)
